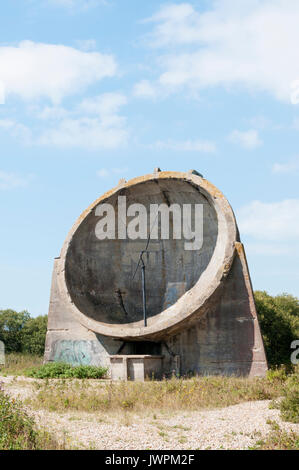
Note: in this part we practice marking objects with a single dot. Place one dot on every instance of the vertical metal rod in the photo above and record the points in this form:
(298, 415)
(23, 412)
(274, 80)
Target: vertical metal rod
(143, 291)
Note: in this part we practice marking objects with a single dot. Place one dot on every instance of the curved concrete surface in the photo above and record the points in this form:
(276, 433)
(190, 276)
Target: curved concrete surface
(95, 276)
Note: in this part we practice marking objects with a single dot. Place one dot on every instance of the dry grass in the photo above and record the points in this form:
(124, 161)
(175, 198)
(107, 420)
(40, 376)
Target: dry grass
(176, 413)
(278, 439)
(18, 430)
(18, 363)
(167, 395)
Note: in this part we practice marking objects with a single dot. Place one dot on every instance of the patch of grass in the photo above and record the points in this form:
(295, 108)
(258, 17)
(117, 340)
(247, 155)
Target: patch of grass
(18, 430)
(280, 374)
(18, 363)
(278, 439)
(183, 428)
(289, 405)
(55, 370)
(163, 434)
(167, 395)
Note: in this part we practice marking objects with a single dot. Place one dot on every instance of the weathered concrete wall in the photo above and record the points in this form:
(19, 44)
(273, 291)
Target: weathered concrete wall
(69, 341)
(202, 317)
(99, 274)
(227, 340)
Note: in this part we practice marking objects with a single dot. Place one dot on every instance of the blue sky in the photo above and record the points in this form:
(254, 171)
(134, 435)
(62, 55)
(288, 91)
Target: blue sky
(93, 91)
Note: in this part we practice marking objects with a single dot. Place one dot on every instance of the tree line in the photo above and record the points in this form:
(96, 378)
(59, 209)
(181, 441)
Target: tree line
(278, 316)
(22, 333)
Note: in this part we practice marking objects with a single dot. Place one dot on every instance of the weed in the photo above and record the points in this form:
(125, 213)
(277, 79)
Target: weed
(278, 439)
(289, 405)
(62, 370)
(18, 431)
(17, 363)
(164, 396)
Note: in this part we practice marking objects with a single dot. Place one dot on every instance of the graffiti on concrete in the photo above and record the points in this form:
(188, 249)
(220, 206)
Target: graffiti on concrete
(73, 352)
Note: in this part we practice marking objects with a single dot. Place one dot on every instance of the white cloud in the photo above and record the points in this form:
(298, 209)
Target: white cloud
(98, 125)
(94, 124)
(52, 113)
(290, 167)
(176, 24)
(2, 93)
(106, 105)
(6, 124)
(252, 44)
(35, 70)
(186, 146)
(247, 139)
(277, 221)
(145, 89)
(84, 132)
(295, 92)
(17, 130)
(12, 181)
(104, 172)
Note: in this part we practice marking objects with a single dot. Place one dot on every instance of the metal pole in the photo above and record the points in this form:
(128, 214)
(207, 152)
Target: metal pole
(143, 291)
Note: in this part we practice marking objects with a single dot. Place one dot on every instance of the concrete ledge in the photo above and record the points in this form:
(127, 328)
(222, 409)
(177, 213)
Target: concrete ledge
(135, 367)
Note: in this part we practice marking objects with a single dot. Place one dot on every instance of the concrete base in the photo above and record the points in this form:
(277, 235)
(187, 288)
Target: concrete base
(226, 340)
(137, 368)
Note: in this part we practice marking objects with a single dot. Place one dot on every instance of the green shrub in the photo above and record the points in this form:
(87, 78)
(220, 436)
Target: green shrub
(20, 333)
(17, 429)
(54, 370)
(280, 374)
(11, 329)
(34, 335)
(289, 405)
(279, 321)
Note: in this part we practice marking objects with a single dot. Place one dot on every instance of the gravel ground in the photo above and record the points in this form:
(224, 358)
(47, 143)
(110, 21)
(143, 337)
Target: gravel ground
(234, 427)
